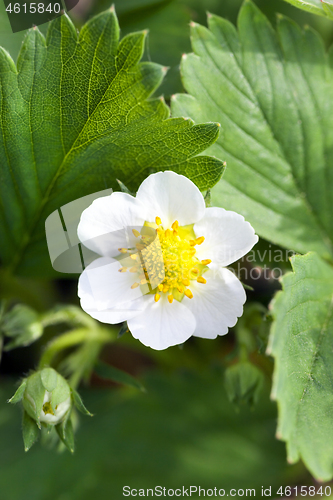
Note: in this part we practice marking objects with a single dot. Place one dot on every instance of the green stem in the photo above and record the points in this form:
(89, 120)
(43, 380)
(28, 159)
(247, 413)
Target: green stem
(72, 338)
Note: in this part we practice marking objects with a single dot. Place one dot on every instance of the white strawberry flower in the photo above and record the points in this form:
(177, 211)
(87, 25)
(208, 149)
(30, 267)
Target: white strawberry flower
(163, 262)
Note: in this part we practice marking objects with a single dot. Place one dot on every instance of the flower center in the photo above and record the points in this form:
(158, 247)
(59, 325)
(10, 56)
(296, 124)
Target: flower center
(168, 260)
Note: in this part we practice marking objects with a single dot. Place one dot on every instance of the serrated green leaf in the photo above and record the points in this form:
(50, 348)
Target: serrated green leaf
(318, 7)
(301, 343)
(109, 372)
(76, 114)
(273, 95)
(29, 431)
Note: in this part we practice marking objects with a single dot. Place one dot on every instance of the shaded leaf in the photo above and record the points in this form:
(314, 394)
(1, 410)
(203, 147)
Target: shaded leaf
(301, 343)
(22, 324)
(273, 95)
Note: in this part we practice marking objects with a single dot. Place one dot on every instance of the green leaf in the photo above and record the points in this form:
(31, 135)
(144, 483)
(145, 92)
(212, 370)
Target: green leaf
(301, 343)
(23, 325)
(109, 372)
(79, 403)
(273, 95)
(29, 430)
(18, 394)
(319, 7)
(76, 114)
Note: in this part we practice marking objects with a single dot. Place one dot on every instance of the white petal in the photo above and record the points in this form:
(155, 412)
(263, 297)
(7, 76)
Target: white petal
(171, 197)
(217, 304)
(228, 237)
(107, 224)
(161, 324)
(106, 294)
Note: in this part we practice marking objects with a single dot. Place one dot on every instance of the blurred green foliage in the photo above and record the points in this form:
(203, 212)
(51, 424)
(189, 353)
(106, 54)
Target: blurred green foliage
(183, 431)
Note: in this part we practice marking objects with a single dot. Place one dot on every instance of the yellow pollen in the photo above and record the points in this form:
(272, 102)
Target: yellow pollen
(168, 258)
(122, 270)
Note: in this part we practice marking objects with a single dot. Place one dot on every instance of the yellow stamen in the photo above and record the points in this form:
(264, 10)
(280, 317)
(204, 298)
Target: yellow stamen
(143, 282)
(180, 289)
(160, 287)
(201, 280)
(186, 282)
(195, 271)
(122, 250)
(200, 240)
(136, 233)
(133, 269)
(189, 294)
(158, 222)
(157, 295)
(122, 270)
(170, 298)
(206, 262)
(165, 288)
(168, 233)
(135, 285)
(134, 256)
(175, 225)
(193, 243)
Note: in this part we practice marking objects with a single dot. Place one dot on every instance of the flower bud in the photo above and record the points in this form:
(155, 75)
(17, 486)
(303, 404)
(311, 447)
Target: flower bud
(47, 397)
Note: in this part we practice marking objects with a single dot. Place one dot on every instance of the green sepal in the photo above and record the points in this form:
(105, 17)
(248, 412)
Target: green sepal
(123, 330)
(29, 430)
(79, 403)
(49, 379)
(18, 394)
(243, 383)
(66, 433)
